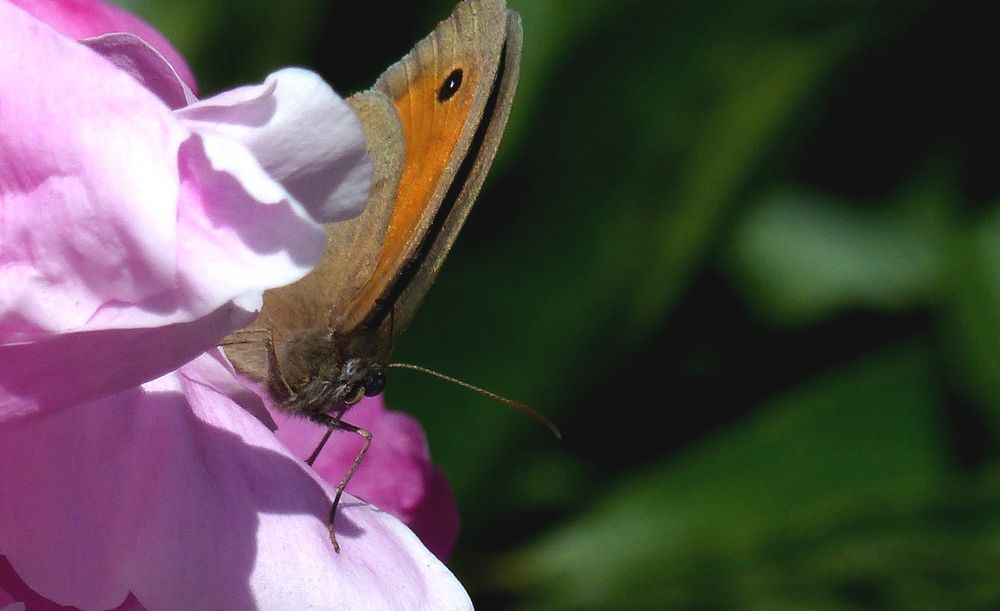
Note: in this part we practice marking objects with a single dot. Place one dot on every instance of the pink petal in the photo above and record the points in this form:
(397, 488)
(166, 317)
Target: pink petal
(80, 19)
(142, 62)
(44, 376)
(397, 474)
(12, 588)
(175, 494)
(302, 133)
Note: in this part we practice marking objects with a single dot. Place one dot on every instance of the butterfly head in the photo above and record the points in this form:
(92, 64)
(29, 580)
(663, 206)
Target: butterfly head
(360, 378)
(326, 374)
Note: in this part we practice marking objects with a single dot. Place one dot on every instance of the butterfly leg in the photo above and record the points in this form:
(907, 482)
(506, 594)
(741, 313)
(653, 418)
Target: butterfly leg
(319, 446)
(333, 424)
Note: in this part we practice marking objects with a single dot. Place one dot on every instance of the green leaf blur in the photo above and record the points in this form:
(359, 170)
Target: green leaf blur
(747, 256)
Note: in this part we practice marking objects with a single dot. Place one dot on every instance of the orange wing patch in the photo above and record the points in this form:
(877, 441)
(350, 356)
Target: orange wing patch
(432, 129)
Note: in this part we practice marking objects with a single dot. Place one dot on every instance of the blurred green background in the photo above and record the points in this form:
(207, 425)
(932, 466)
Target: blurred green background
(747, 255)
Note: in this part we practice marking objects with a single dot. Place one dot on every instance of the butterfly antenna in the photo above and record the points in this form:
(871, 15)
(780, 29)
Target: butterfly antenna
(521, 407)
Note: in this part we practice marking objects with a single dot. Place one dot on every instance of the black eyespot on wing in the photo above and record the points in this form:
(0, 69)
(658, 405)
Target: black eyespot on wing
(450, 86)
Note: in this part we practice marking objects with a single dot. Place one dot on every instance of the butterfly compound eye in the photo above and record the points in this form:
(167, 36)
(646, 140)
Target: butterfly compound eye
(450, 85)
(374, 381)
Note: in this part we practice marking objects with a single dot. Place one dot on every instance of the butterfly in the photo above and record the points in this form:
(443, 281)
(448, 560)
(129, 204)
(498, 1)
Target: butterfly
(433, 122)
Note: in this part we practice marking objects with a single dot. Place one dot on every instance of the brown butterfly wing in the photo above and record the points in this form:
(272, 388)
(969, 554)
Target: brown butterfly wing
(481, 40)
(379, 266)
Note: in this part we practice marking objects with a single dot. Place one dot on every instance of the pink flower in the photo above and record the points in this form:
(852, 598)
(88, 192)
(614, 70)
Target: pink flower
(138, 227)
